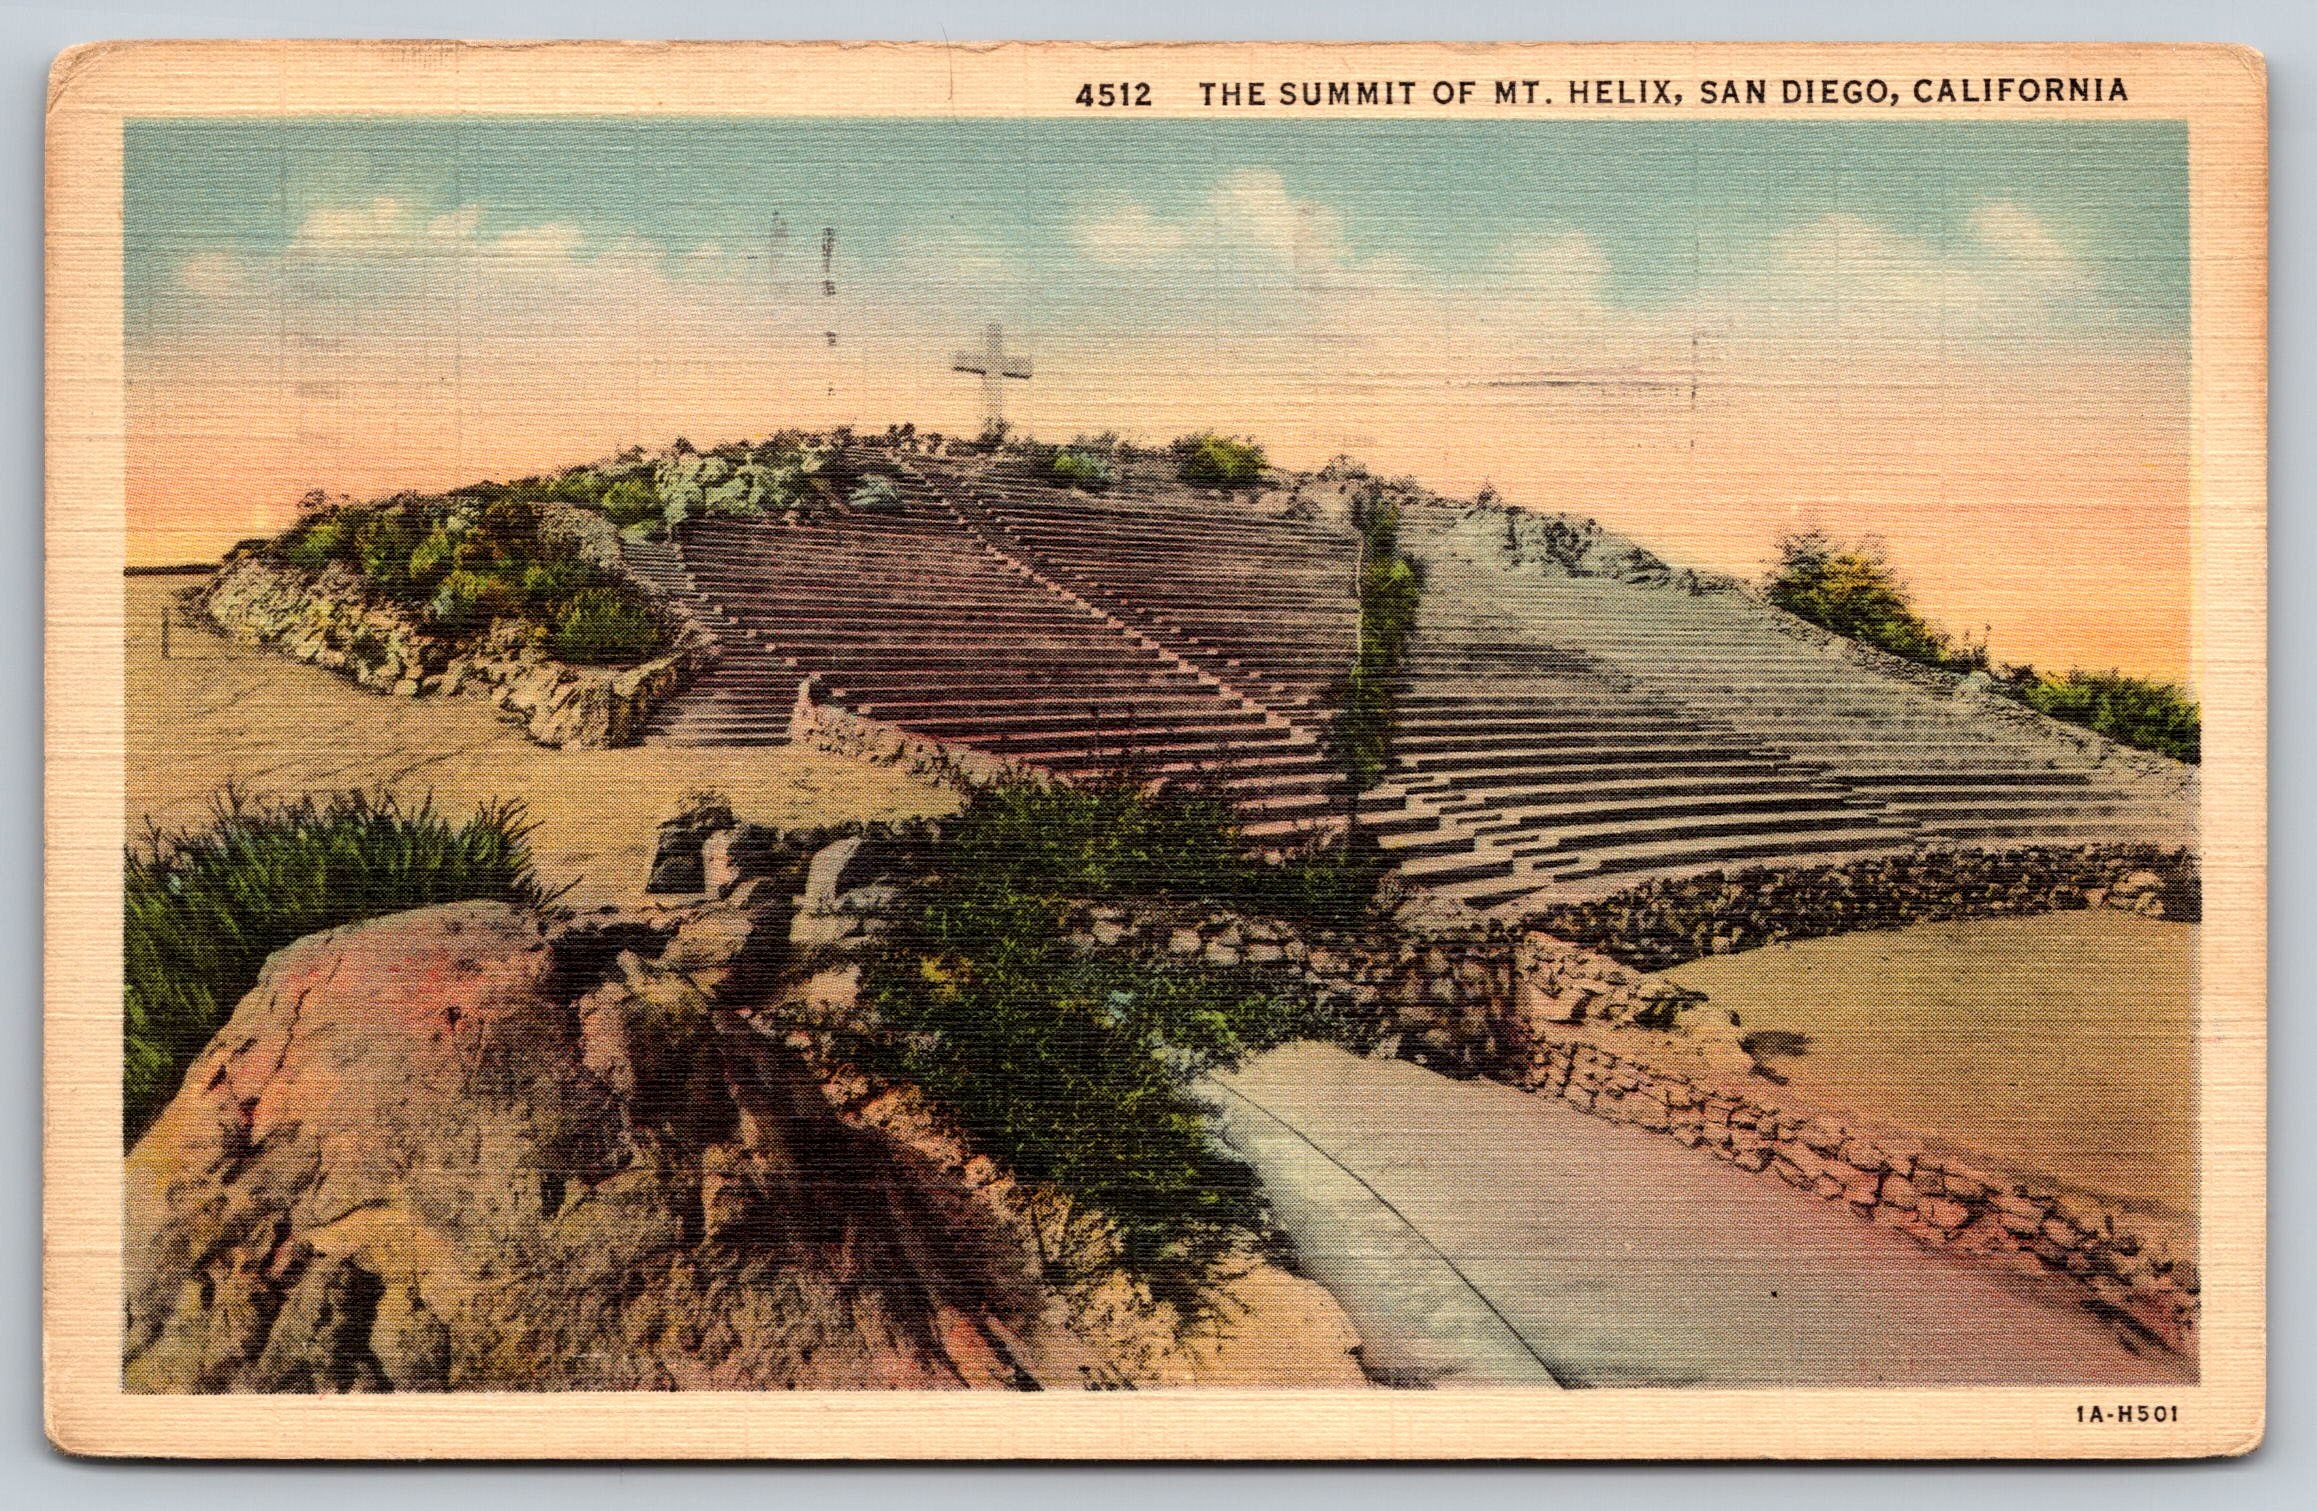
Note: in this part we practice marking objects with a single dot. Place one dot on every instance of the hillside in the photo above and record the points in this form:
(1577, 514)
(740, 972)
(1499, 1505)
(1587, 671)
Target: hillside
(1574, 714)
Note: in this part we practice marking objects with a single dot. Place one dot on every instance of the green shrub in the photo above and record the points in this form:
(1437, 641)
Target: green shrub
(433, 559)
(1079, 1070)
(318, 542)
(470, 559)
(2129, 710)
(876, 494)
(604, 626)
(630, 501)
(1855, 591)
(1391, 590)
(575, 485)
(1219, 461)
(385, 541)
(204, 909)
(1070, 467)
(1119, 839)
(546, 585)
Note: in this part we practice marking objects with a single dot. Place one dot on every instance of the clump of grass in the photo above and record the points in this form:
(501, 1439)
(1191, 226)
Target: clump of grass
(1078, 1070)
(1209, 460)
(205, 907)
(601, 626)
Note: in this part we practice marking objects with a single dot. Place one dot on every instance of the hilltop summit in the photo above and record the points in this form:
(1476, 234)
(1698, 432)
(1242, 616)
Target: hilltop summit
(1572, 713)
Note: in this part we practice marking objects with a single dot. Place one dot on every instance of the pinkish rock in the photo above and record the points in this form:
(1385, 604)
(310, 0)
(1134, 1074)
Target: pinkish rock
(450, 1149)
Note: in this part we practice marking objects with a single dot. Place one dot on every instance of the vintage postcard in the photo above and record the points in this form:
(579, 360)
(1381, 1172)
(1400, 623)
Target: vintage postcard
(1256, 751)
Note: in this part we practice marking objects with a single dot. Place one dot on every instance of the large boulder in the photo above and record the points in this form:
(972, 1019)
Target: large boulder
(460, 1148)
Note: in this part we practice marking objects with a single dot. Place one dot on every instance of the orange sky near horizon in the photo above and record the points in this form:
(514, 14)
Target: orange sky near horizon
(2062, 536)
(1971, 343)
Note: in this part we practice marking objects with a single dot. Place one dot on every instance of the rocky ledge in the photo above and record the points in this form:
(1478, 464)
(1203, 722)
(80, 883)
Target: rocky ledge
(329, 618)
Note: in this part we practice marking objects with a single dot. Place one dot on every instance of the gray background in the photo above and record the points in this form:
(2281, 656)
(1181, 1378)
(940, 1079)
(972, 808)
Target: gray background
(31, 1474)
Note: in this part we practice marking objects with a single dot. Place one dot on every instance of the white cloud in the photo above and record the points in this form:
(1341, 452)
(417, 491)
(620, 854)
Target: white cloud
(1128, 235)
(1569, 269)
(381, 218)
(385, 228)
(384, 221)
(2006, 284)
(1253, 207)
(554, 241)
(1249, 216)
(2007, 229)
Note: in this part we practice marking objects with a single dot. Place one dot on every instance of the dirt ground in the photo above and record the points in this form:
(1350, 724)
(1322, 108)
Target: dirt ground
(2063, 1045)
(212, 712)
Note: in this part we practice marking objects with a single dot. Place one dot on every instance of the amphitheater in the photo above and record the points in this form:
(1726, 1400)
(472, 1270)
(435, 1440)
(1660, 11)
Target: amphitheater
(1575, 716)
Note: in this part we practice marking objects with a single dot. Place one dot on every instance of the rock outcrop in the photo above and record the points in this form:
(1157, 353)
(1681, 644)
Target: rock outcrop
(455, 1149)
(471, 1148)
(329, 618)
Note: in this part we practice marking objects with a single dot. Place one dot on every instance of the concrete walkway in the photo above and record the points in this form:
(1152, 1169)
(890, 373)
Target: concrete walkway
(1477, 1235)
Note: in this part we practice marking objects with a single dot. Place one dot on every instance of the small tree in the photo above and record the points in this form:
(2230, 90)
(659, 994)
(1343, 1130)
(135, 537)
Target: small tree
(1854, 590)
(1209, 460)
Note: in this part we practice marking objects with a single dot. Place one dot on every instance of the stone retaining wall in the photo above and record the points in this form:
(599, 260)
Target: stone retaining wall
(1666, 921)
(824, 726)
(1459, 997)
(328, 619)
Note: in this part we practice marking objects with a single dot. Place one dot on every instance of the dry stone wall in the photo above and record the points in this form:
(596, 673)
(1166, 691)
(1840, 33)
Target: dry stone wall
(825, 726)
(1463, 996)
(1666, 921)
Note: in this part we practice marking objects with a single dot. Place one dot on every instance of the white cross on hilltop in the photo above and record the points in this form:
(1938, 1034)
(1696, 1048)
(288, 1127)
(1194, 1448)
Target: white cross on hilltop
(995, 365)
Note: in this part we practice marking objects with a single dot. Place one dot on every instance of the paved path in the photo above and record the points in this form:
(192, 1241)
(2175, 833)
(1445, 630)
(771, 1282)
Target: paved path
(1478, 1235)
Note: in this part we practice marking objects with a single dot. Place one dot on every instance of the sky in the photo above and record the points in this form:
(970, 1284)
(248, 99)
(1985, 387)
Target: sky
(1967, 339)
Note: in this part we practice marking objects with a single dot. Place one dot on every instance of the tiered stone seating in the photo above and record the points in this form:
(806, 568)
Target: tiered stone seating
(1558, 735)
(1263, 602)
(1566, 735)
(913, 619)
(745, 698)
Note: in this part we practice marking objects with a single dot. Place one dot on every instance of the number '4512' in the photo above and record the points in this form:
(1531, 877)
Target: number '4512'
(1109, 96)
